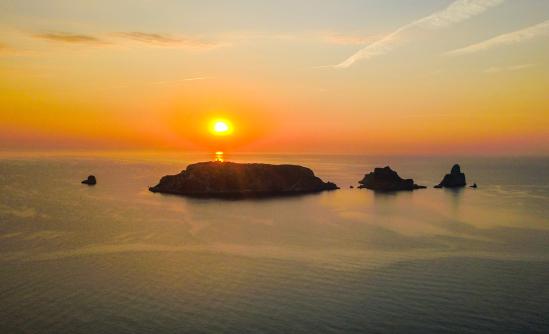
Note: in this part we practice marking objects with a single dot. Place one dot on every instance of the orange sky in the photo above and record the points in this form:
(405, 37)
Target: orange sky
(369, 78)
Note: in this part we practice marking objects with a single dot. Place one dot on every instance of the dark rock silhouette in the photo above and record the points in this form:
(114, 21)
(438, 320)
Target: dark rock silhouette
(474, 185)
(386, 179)
(229, 179)
(453, 180)
(90, 181)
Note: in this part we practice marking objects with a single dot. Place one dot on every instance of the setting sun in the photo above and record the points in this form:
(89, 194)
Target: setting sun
(221, 127)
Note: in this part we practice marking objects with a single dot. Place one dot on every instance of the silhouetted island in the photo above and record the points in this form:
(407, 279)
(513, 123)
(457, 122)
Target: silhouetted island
(90, 181)
(229, 179)
(453, 180)
(386, 179)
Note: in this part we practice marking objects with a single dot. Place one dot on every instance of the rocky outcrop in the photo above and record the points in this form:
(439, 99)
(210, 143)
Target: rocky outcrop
(229, 179)
(90, 181)
(455, 179)
(386, 179)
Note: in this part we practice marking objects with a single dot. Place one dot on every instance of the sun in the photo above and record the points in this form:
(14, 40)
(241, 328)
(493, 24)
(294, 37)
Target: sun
(221, 127)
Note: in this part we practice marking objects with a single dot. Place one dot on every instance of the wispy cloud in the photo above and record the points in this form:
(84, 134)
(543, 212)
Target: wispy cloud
(70, 38)
(457, 11)
(118, 38)
(496, 69)
(149, 37)
(514, 37)
(164, 40)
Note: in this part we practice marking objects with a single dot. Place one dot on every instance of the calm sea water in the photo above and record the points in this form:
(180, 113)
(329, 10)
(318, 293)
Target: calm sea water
(116, 258)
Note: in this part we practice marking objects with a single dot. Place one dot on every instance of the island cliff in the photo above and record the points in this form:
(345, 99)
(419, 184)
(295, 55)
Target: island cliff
(386, 179)
(453, 180)
(229, 179)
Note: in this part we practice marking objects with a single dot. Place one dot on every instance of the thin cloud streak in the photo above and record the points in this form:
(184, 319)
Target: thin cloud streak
(505, 39)
(163, 40)
(456, 12)
(70, 38)
(148, 39)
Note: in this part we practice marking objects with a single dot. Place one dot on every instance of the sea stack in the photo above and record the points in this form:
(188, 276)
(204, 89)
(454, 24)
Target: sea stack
(455, 179)
(229, 179)
(386, 179)
(90, 181)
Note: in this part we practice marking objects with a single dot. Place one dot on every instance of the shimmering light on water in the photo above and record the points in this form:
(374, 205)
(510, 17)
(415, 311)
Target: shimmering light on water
(219, 156)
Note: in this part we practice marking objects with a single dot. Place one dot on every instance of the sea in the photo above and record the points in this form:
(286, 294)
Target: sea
(116, 258)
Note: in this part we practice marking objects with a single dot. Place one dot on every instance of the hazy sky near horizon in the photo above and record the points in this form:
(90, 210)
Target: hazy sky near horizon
(426, 76)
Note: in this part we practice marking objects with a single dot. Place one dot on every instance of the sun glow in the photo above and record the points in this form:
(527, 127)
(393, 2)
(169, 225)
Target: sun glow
(221, 127)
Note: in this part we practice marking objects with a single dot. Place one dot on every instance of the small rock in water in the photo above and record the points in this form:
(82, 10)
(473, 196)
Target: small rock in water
(453, 180)
(351, 187)
(90, 181)
(474, 185)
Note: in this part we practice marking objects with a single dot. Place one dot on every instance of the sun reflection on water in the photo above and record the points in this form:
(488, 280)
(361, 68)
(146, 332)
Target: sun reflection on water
(219, 156)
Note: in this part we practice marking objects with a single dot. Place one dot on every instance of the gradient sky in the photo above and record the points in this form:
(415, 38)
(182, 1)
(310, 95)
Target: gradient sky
(371, 77)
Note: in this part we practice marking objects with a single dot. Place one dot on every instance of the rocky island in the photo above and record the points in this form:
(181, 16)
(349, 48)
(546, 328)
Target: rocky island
(229, 179)
(90, 181)
(453, 180)
(386, 179)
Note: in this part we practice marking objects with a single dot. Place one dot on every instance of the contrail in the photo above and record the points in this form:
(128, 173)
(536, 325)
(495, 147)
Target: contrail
(505, 39)
(456, 12)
